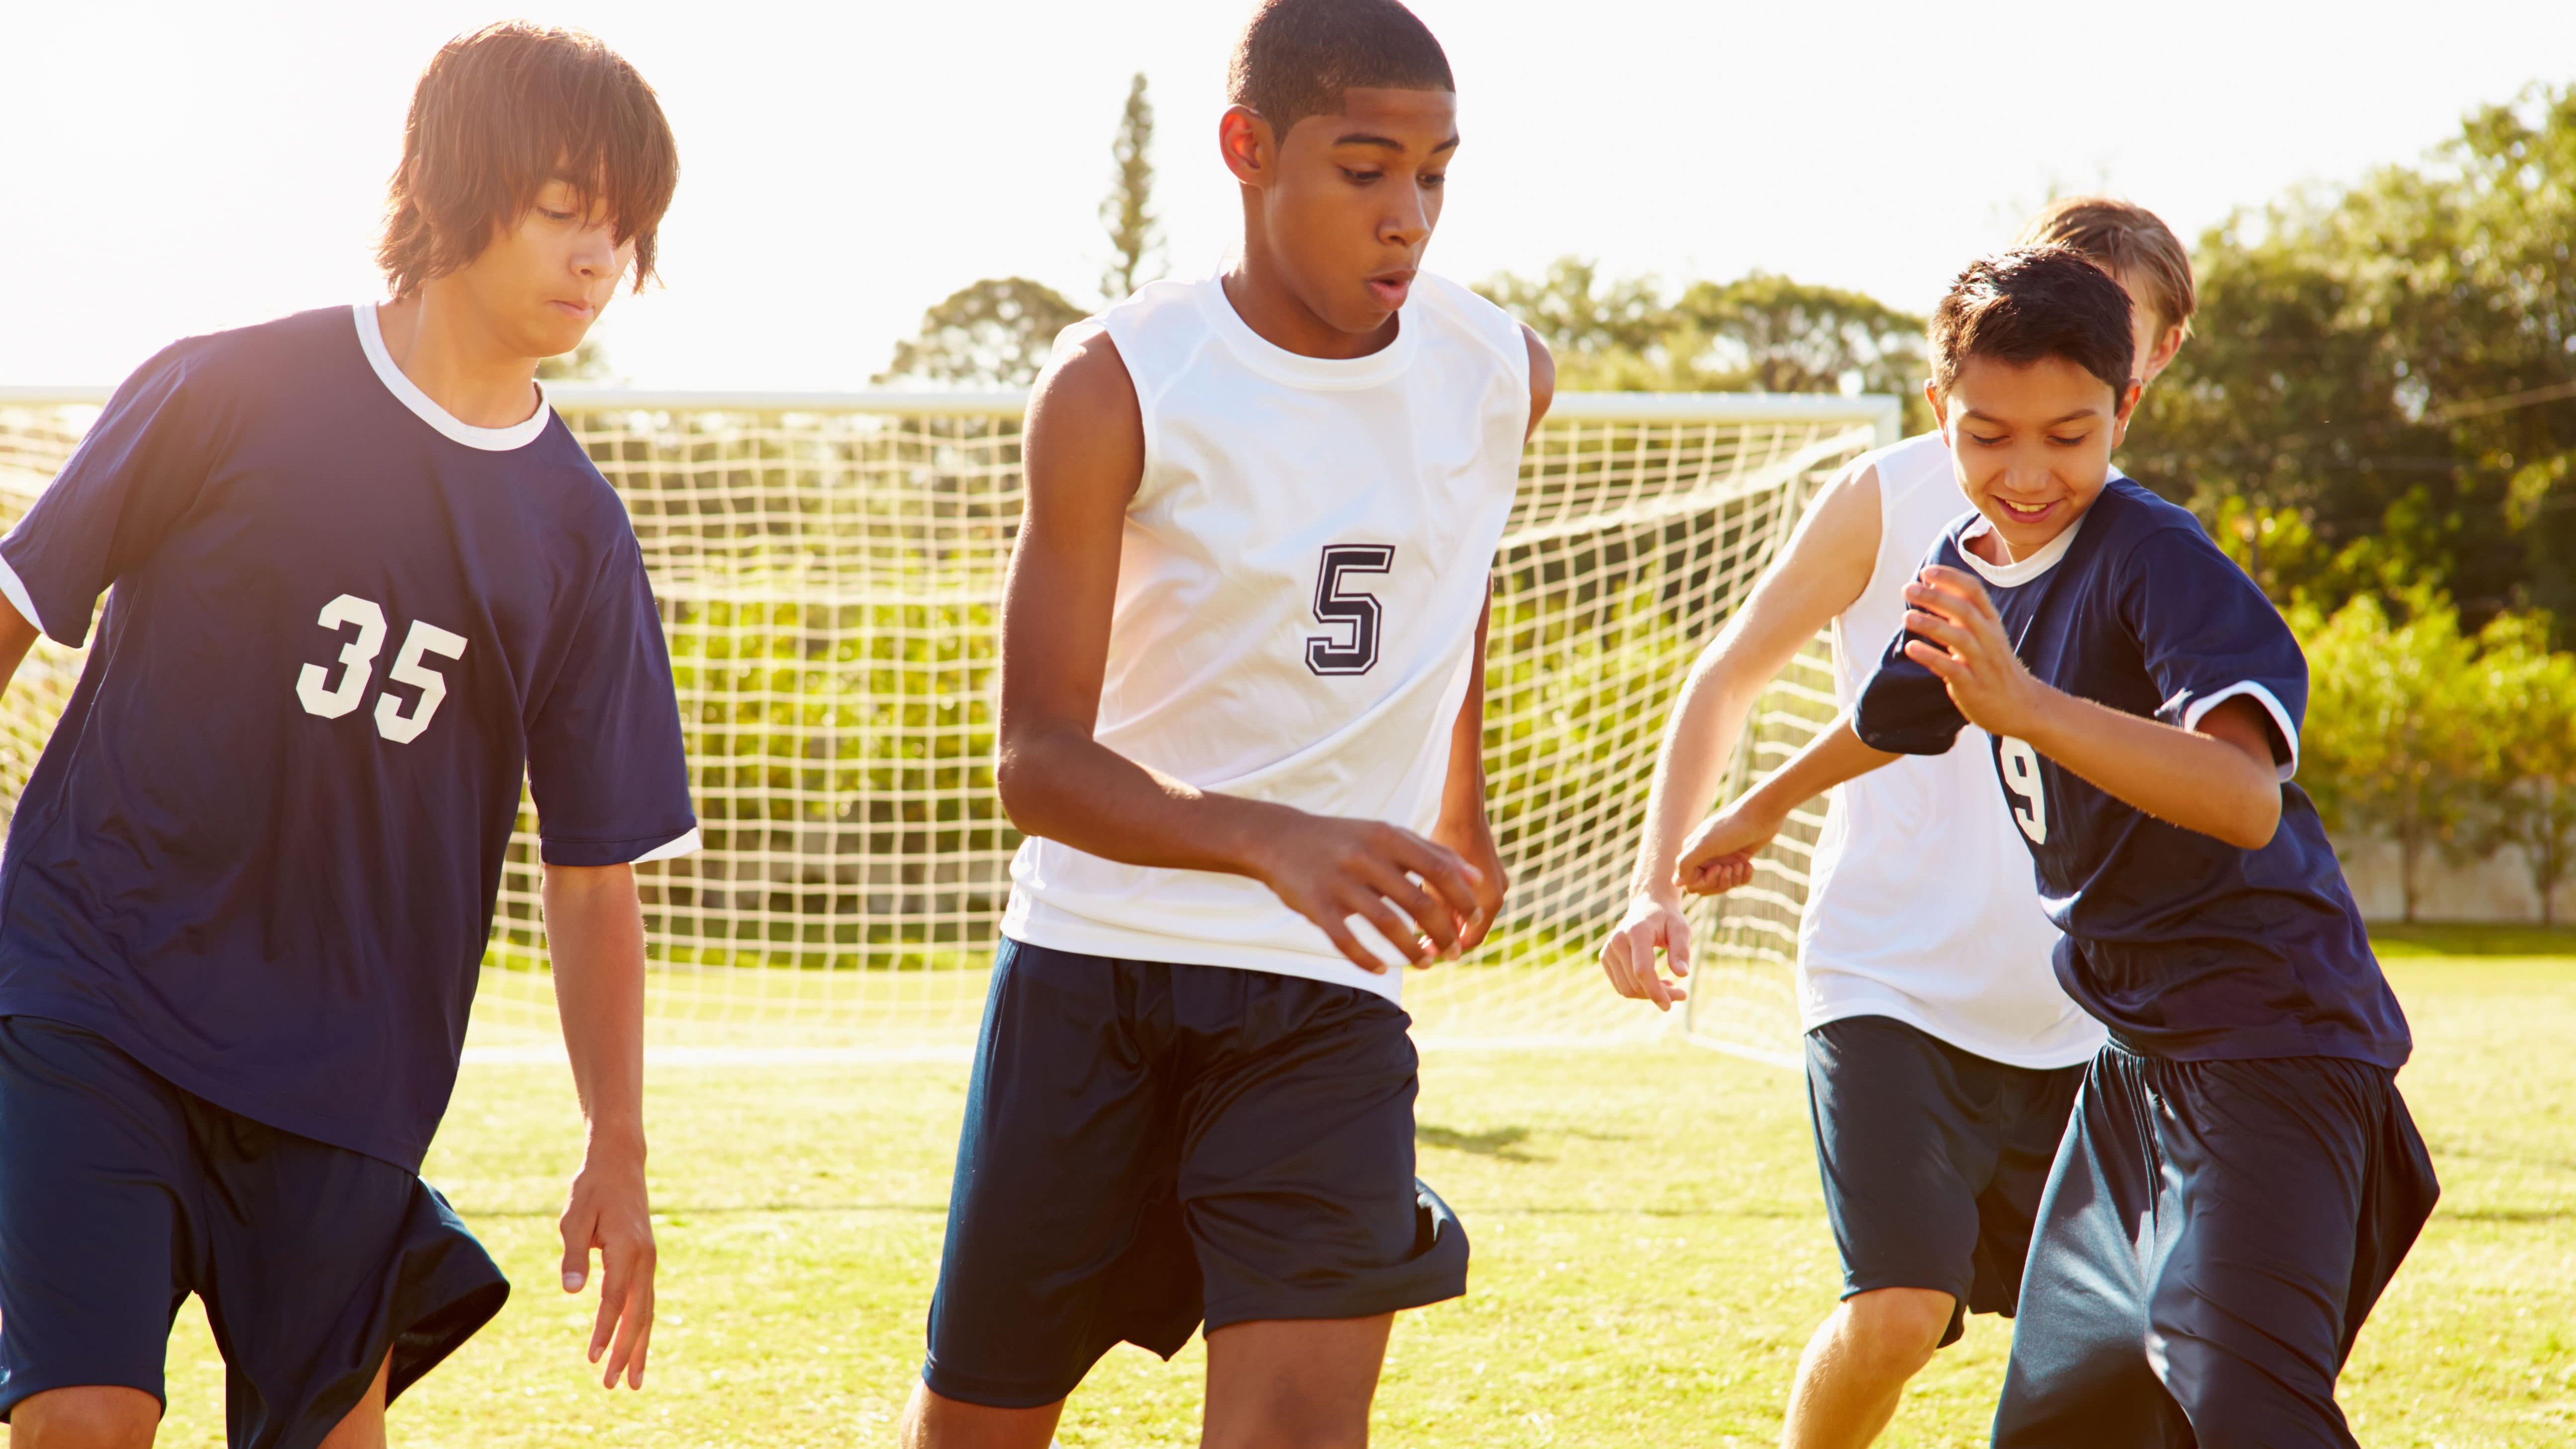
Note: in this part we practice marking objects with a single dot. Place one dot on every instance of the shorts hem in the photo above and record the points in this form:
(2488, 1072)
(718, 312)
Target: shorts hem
(18, 1393)
(992, 1396)
(1854, 1286)
(1343, 1303)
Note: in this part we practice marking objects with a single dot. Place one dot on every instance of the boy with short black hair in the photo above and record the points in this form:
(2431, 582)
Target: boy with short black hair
(250, 882)
(1941, 1053)
(2241, 1178)
(1242, 726)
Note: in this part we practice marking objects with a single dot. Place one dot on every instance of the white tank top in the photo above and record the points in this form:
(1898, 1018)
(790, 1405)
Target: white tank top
(1303, 567)
(1923, 906)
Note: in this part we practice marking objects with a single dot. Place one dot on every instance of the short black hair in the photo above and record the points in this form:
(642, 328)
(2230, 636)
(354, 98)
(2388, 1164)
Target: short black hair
(1297, 57)
(2030, 303)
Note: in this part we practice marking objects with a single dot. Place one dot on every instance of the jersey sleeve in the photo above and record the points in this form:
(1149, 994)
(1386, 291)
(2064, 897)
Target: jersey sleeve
(2207, 635)
(1904, 708)
(132, 479)
(605, 760)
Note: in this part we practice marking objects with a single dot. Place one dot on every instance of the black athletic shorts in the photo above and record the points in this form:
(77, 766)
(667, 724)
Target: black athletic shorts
(2213, 1236)
(1933, 1159)
(1150, 1145)
(120, 1195)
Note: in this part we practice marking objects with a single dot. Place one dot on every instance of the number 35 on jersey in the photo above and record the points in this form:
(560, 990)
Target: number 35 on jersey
(329, 699)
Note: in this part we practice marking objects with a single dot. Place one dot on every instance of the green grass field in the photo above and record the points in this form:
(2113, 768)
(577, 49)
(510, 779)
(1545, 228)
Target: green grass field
(1650, 1253)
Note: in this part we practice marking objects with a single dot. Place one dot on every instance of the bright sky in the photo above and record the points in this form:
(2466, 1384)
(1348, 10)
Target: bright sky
(176, 168)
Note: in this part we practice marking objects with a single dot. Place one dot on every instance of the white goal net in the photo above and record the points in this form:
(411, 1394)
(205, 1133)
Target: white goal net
(829, 570)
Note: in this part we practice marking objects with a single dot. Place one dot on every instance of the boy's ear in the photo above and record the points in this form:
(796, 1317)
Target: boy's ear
(1251, 151)
(2128, 409)
(1940, 401)
(2168, 344)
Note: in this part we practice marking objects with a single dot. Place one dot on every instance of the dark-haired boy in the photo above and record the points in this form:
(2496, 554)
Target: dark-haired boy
(360, 582)
(2241, 1178)
(1941, 1054)
(1241, 724)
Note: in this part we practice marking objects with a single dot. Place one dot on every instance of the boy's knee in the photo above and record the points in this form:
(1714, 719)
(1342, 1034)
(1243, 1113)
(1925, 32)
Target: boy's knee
(1897, 1328)
(93, 1416)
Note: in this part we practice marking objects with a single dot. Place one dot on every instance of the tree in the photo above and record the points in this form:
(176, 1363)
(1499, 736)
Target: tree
(1759, 333)
(2390, 742)
(992, 333)
(2527, 730)
(1134, 230)
(2396, 366)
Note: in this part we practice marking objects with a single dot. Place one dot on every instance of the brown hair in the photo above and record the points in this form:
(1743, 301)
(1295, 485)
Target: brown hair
(2127, 240)
(2031, 303)
(497, 115)
(1296, 57)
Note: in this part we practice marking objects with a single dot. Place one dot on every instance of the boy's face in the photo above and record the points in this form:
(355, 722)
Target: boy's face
(1348, 202)
(2031, 444)
(541, 284)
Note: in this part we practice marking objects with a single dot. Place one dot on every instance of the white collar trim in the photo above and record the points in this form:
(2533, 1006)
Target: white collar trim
(371, 339)
(2021, 570)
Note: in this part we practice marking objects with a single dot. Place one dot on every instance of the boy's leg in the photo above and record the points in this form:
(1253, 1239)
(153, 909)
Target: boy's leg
(2294, 1212)
(1291, 1382)
(1297, 1186)
(1932, 1160)
(2079, 1372)
(94, 1237)
(1064, 1234)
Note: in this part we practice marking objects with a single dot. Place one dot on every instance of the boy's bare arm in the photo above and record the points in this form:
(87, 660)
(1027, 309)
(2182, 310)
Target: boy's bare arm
(1084, 454)
(1822, 571)
(595, 934)
(2218, 778)
(1719, 856)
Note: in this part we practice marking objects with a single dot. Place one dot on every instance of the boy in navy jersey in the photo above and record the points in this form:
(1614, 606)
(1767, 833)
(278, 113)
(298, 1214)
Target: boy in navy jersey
(1242, 686)
(360, 583)
(2240, 1178)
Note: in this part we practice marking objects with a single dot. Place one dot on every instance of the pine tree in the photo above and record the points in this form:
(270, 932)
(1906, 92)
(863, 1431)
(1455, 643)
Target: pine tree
(1127, 211)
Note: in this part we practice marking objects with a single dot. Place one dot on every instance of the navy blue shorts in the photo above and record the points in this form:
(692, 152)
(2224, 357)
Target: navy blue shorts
(2213, 1236)
(1933, 1159)
(120, 1195)
(1149, 1145)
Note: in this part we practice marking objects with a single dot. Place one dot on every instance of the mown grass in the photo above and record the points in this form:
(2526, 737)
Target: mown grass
(1650, 1254)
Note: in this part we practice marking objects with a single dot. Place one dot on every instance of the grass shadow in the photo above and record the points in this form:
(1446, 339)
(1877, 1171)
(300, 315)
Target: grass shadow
(1502, 1143)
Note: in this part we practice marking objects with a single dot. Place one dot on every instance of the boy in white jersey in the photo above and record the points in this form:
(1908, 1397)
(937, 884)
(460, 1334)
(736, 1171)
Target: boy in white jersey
(1241, 723)
(1934, 1018)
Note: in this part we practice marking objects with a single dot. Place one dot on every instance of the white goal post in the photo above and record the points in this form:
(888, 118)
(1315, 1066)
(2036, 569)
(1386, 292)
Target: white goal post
(829, 568)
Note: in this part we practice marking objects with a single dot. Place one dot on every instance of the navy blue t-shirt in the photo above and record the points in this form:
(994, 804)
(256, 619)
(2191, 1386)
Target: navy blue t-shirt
(2183, 945)
(260, 851)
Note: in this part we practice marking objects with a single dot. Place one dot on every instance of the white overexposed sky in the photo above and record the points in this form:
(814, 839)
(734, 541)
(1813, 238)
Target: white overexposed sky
(174, 168)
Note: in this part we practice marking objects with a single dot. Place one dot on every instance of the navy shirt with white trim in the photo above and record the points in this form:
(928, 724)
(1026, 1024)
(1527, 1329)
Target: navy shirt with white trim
(260, 851)
(2183, 945)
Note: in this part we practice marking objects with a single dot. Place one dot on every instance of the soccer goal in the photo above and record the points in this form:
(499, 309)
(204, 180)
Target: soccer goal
(829, 569)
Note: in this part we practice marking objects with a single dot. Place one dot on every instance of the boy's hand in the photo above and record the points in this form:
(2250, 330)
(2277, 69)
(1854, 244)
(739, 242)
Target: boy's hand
(1968, 650)
(1652, 921)
(1718, 857)
(1329, 869)
(1472, 841)
(608, 1211)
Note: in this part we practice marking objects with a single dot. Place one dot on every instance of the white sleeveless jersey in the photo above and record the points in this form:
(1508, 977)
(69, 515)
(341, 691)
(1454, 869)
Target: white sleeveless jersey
(1304, 563)
(1923, 905)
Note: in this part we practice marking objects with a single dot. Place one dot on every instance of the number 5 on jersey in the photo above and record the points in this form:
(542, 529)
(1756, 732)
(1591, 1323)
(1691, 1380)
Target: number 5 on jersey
(1338, 606)
(2020, 765)
(357, 669)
